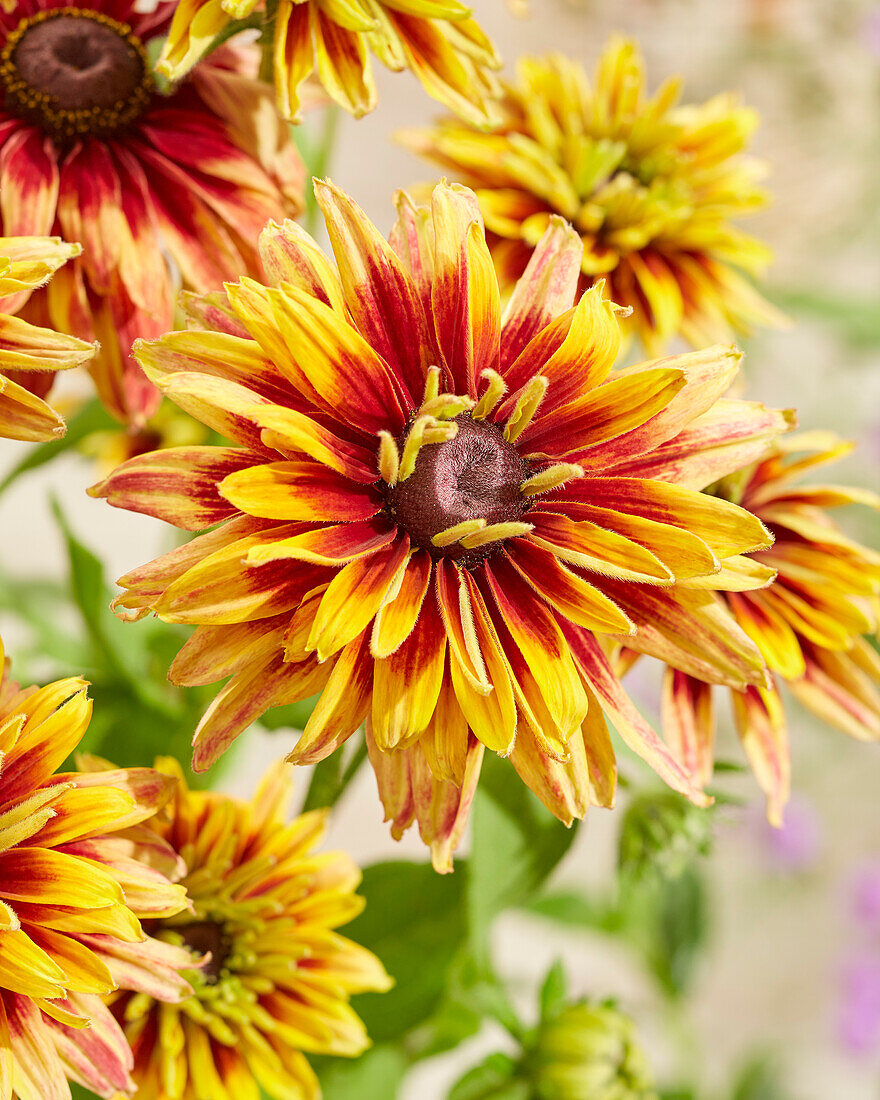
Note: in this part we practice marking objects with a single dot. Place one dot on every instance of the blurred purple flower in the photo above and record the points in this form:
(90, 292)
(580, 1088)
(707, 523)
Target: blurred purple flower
(871, 30)
(859, 1024)
(795, 847)
(866, 897)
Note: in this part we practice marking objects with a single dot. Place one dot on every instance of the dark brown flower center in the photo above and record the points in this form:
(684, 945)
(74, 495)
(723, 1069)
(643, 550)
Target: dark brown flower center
(204, 936)
(475, 475)
(74, 72)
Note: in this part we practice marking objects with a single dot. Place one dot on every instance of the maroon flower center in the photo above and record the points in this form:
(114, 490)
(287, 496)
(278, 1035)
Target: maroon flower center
(475, 475)
(75, 72)
(204, 936)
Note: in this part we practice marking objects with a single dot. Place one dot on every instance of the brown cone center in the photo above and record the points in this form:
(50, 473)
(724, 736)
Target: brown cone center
(475, 475)
(75, 71)
(80, 62)
(202, 937)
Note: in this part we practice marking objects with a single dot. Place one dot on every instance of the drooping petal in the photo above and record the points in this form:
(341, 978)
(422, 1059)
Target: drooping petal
(689, 723)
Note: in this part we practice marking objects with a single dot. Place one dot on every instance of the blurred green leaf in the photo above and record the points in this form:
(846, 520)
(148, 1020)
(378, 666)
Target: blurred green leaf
(92, 417)
(678, 930)
(492, 1079)
(858, 320)
(759, 1079)
(515, 845)
(661, 834)
(331, 777)
(375, 1075)
(553, 991)
(578, 909)
(414, 921)
(292, 716)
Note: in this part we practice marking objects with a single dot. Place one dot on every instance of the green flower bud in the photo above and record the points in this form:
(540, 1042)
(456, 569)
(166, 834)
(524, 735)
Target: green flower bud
(589, 1052)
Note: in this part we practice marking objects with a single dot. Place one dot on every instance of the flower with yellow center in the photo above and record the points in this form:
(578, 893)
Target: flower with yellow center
(159, 189)
(434, 512)
(820, 597)
(78, 868)
(652, 188)
(29, 353)
(271, 976)
(435, 39)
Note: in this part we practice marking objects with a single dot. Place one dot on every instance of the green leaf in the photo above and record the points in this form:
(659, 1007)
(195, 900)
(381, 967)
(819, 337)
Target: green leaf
(516, 843)
(553, 992)
(492, 1079)
(330, 778)
(292, 716)
(92, 417)
(679, 932)
(759, 1079)
(414, 921)
(661, 835)
(571, 907)
(375, 1075)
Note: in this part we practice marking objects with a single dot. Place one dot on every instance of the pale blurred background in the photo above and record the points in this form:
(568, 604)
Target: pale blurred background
(784, 933)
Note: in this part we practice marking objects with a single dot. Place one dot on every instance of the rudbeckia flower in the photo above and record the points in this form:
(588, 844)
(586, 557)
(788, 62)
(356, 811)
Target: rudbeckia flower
(30, 354)
(271, 976)
(434, 513)
(651, 187)
(78, 871)
(157, 189)
(820, 598)
(435, 39)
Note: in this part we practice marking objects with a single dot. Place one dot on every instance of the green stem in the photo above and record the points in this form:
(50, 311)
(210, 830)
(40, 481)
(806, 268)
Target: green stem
(267, 42)
(318, 161)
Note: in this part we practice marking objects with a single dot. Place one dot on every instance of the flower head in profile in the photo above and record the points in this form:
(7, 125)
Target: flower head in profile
(78, 872)
(156, 188)
(819, 599)
(433, 513)
(30, 354)
(271, 976)
(435, 39)
(652, 187)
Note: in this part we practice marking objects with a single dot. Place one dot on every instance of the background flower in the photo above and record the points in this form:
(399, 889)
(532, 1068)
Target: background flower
(77, 871)
(437, 41)
(158, 189)
(30, 354)
(808, 622)
(652, 187)
(271, 976)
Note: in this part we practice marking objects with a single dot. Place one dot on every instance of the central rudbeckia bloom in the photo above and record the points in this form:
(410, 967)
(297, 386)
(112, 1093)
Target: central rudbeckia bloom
(158, 189)
(434, 512)
(271, 977)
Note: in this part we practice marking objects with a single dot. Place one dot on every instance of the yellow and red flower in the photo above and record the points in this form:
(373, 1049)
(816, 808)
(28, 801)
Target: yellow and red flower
(433, 513)
(29, 355)
(271, 976)
(435, 39)
(78, 870)
(820, 598)
(89, 150)
(652, 188)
